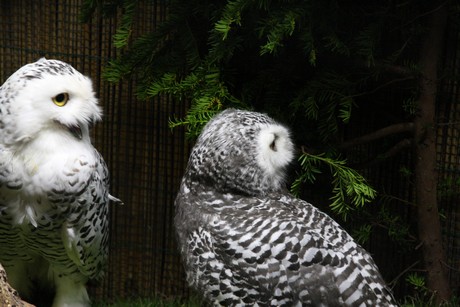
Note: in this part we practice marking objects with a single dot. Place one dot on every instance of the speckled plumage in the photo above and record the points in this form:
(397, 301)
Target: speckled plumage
(53, 183)
(244, 240)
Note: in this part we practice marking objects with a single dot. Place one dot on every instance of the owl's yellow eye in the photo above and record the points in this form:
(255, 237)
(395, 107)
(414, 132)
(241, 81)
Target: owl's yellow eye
(60, 99)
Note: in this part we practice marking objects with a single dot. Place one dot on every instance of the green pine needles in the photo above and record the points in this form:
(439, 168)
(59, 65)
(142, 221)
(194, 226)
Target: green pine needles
(260, 55)
(349, 189)
(337, 72)
(205, 91)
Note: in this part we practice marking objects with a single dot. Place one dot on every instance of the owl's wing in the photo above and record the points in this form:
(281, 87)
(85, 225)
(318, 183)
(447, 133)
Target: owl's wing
(85, 231)
(11, 181)
(283, 245)
(8, 178)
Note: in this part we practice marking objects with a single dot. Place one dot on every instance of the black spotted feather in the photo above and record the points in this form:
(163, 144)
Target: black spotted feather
(248, 242)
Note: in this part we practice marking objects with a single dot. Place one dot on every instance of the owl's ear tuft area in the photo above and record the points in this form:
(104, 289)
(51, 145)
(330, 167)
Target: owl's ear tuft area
(275, 149)
(273, 143)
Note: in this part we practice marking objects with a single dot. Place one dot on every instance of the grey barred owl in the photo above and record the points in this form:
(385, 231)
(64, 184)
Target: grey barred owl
(53, 183)
(245, 241)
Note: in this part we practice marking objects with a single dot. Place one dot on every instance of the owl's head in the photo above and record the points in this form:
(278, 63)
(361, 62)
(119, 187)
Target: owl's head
(242, 151)
(46, 97)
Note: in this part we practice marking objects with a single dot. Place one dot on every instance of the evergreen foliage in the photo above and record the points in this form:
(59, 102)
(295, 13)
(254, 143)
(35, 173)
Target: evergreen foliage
(312, 63)
(350, 189)
(280, 57)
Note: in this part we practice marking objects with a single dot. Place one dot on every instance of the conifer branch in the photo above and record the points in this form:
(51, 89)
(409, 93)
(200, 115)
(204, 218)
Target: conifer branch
(381, 133)
(393, 151)
(349, 189)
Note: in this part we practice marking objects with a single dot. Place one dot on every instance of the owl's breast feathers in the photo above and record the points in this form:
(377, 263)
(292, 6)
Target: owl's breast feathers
(255, 246)
(60, 199)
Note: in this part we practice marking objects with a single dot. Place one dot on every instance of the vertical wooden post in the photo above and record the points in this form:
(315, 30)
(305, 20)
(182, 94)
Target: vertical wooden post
(429, 228)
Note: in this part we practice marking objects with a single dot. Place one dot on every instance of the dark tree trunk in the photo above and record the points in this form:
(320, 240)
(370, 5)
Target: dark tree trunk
(429, 227)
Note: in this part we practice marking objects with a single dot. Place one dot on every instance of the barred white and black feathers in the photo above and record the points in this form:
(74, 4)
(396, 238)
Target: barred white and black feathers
(53, 183)
(245, 241)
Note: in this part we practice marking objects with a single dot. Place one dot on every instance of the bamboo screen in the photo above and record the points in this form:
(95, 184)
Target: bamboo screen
(448, 148)
(145, 157)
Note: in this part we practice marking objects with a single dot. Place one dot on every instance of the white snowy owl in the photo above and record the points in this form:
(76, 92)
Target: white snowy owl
(245, 241)
(53, 183)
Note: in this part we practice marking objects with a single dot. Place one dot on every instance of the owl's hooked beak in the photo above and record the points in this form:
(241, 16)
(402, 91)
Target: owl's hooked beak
(74, 129)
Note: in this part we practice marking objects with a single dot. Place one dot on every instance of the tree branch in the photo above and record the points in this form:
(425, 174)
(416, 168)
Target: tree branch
(405, 143)
(397, 69)
(408, 269)
(390, 130)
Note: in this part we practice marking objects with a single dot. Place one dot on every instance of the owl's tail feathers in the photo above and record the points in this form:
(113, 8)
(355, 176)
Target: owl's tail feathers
(115, 200)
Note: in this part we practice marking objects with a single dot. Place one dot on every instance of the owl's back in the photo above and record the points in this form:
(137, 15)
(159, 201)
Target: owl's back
(275, 250)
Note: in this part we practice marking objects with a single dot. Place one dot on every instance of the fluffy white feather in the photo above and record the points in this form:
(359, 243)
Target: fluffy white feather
(275, 150)
(53, 183)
